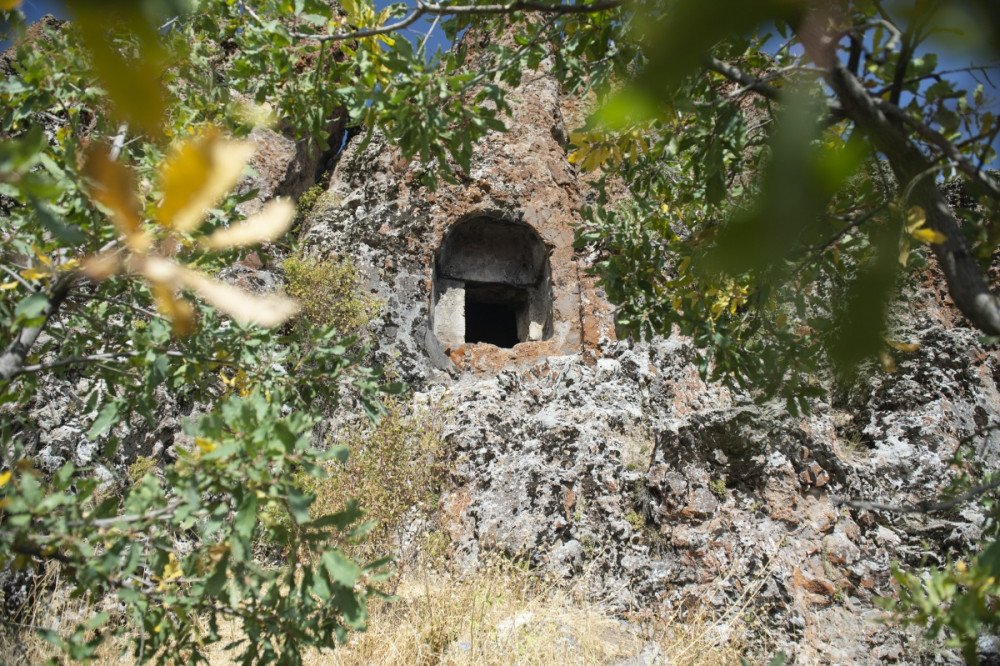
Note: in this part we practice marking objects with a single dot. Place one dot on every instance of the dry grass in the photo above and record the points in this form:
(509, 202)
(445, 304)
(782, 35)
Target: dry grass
(50, 607)
(497, 616)
(503, 615)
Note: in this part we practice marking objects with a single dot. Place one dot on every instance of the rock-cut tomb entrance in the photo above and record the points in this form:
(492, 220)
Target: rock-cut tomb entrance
(492, 283)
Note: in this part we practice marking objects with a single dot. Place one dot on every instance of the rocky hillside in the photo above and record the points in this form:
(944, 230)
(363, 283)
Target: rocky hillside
(619, 469)
(611, 465)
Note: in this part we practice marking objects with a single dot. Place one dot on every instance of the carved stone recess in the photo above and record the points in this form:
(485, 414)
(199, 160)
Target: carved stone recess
(480, 274)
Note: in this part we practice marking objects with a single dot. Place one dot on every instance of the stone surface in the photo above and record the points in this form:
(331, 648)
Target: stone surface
(377, 210)
(614, 467)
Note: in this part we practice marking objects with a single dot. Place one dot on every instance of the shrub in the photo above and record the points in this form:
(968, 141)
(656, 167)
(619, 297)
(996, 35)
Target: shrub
(168, 599)
(395, 465)
(139, 468)
(329, 291)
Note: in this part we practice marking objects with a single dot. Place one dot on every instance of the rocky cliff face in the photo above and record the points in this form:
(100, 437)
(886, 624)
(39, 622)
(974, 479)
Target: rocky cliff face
(612, 465)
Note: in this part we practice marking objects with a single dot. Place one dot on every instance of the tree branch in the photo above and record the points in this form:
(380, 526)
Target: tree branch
(851, 224)
(946, 147)
(759, 85)
(12, 358)
(109, 356)
(966, 282)
(431, 9)
(919, 507)
(750, 83)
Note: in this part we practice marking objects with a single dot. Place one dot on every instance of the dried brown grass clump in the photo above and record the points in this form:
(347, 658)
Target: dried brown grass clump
(50, 607)
(496, 616)
(504, 615)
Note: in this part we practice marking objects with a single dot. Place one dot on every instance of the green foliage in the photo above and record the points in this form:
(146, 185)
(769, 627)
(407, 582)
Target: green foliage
(241, 462)
(746, 203)
(329, 291)
(635, 520)
(767, 229)
(308, 199)
(957, 600)
(396, 464)
(139, 468)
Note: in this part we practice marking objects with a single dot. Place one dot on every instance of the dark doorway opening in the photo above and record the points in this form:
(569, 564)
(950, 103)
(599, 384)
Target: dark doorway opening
(493, 314)
(492, 323)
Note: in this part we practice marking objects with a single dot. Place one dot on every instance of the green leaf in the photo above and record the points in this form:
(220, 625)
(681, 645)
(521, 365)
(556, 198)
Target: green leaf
(215, 582)
(105, 420)
(299, 503)
(96, 621)
(69, 234)
(246, 517)
(31, 307)
(341, 569)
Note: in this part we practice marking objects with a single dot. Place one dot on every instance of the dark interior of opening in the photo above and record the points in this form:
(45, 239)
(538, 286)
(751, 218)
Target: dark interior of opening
(493, 323)
(491, 313)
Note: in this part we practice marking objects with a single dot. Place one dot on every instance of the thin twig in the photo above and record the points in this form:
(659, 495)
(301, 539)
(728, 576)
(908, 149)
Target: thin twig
(423, 44)
(946, 147)
(116, 146)
(919, 507)
(108, 356)
(17, 277)
(854, 224)
(424, 9)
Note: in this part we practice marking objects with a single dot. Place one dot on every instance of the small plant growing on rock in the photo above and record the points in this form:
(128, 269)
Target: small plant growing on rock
(329, 291)
(308, 199)
(138, 469)
(718, 487)
(393, 466)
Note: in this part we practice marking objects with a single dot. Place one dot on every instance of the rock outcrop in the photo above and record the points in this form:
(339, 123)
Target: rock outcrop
(613, 466)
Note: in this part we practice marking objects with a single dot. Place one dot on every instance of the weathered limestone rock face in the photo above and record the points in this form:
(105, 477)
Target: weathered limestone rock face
(488, 260)
(613, 464)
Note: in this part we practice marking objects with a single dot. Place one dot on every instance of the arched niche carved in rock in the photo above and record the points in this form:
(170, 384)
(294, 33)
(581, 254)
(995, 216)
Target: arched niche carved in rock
(492, 283)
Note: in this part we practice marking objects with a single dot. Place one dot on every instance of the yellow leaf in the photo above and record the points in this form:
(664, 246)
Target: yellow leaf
(904, 251)
(204, 445)
(915, 218)
(101, 267)
(266, 225)
(41, 256)
(114, 187)
(908, 347)
(157, 270)
(196, 175)
(7, 286)
(595, 158)
(352, 10)
(888, 362)
(929, 236)
(177, 310)
(4, 479)
(267, 310)
(171, 571)
(34, 273)
(9, 4)
(133, 77)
